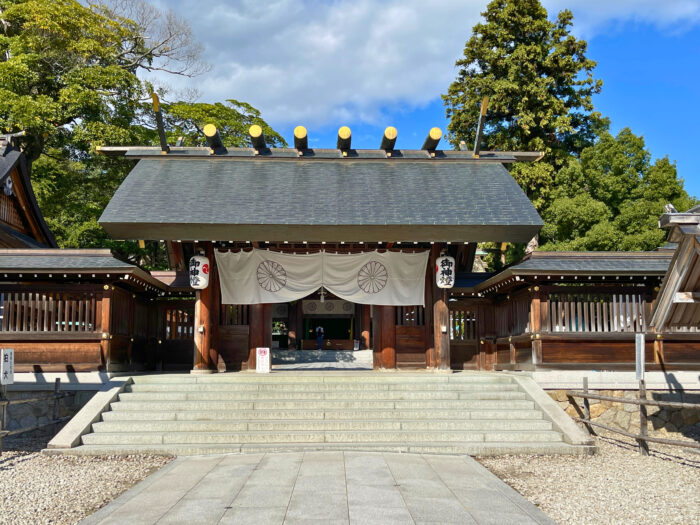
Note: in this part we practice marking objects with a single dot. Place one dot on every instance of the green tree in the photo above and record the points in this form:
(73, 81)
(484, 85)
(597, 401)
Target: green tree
(232, 120)
(611, 198)
(540, 84)
(69, 78)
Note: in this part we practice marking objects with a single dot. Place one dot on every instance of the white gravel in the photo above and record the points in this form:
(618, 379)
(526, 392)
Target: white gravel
(615, 486)
(38, 489)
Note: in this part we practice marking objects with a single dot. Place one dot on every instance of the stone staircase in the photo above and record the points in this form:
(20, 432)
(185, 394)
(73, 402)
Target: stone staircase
(461, 413)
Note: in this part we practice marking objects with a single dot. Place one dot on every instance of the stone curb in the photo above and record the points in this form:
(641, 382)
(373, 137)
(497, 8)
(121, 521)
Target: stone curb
(551, 410)
(81, 423)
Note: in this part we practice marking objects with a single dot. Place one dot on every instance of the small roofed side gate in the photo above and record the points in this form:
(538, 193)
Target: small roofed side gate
(302, 201)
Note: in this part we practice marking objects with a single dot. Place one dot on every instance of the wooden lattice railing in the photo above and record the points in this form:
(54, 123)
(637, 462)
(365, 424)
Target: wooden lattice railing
(49, 312)
(567, 312)
(462, 325)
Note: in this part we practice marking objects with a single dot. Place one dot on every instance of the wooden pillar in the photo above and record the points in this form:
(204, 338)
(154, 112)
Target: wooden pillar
(376, 336)
(365, 326)
(658, 350)
(388, 336)
(441, 318)
(267, 327)
(215, 311)
(536, 325)
(430, 358)
(203, 325)
(106, 325)
(486, 332)
(292, 328)
(256, 337)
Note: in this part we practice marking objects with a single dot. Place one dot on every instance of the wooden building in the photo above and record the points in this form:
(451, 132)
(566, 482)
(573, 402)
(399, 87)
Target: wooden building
(21, 222)
(84, 310)
(302, 200)
(677, 308)
(81, 310)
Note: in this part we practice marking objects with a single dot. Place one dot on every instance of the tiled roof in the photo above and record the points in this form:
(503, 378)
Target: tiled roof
(340, 199)
(65, 260)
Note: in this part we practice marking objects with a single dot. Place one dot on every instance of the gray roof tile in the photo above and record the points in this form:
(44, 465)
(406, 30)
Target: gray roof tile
(477, 201)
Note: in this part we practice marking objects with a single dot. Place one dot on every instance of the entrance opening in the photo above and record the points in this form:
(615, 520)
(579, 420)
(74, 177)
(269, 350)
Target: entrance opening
(296, 328)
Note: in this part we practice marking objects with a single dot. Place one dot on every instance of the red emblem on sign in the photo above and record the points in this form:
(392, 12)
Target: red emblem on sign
(205, 269)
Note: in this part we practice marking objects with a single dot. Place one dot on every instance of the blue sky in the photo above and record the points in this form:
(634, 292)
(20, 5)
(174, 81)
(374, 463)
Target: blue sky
(373, 63)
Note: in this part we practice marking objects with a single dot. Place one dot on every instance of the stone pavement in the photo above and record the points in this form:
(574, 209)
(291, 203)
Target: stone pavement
(321, 487)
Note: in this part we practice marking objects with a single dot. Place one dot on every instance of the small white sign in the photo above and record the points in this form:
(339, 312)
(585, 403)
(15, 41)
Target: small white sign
(7, 366)
(262, 360)
(639, 347)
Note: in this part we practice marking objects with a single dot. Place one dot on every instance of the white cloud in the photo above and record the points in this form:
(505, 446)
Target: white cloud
(342, 61)
(592, 17)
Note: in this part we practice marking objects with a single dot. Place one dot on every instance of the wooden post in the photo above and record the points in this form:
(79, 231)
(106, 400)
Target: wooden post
(643, 445)
(56, 391)
(292, 331)
(388, 336)
(659, 350)
(203, 324)
(429, 335)
(256, 324)
(215, 312)
(365, 326)
(106, 324)
(3, 408)
(441, 318)
(536, 326)
(587, 406)
(300, 324)
(377, 336)
(267, 320)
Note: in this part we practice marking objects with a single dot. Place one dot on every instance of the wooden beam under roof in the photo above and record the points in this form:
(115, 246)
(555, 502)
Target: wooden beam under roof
(318, 154)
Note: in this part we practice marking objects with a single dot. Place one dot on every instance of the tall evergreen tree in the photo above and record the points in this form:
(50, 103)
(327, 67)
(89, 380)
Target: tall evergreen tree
(611, 198)
(540, 85)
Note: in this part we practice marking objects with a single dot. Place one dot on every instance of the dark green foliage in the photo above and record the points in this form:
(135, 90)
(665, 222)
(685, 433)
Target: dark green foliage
(68, 78)
(594, 191)
(540, 85)
(611, 198)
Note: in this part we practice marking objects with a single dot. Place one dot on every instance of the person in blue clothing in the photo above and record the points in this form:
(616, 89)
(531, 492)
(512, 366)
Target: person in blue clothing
(319, 336)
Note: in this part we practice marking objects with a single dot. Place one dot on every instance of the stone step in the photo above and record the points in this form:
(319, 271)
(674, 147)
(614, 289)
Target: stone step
(320, 425)
(320, 387)
(381, 395)
(326, 377)
(338, 414)
(324, 404)
(434, 447)
(166, 438)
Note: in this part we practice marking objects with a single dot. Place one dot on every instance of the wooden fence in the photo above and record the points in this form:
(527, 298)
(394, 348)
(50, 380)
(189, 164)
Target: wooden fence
(593, 312)
(410, 316)
(643, 439)
(35, 311)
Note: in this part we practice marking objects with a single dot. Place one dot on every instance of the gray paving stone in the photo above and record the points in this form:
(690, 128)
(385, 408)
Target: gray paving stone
(443, 510)
(311, 506)
(387, 496)
(321, 487)
(379, 515)
(256, 515)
